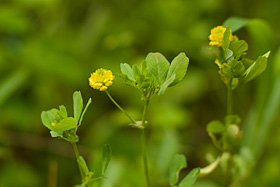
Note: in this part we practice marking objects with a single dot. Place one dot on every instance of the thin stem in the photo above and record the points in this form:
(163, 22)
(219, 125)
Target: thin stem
(145, 158)
(144, 149)
(121, 109)
(228, 171)
(145, 111)
(77, 154)
(229, 98)
(229, 112)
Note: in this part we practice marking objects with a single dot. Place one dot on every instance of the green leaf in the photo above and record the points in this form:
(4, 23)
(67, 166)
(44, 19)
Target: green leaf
(190, 179)
(48, 117)
(177, 164)
(66, 124)
(46, 120)
(166, 84)
(247, 62)
(215, 126)
(136, 70)
(144, 67)
(226, 42)
(227, 70)
(237, 67)
(179, 66)
(78, 105)
(106, 155)
(56, 133)
(158, 66)
(238, 47)
(143, 82)
(256, 68)
(85, 109)
(235, 23)
(61, 113)
(127, 70)
(126, 80)
(228, 54)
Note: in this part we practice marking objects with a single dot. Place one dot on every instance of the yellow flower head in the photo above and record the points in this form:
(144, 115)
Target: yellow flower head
(101, 79)
(217, 34)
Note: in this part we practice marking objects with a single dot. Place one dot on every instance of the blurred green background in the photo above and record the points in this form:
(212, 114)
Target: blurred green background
(48, 48)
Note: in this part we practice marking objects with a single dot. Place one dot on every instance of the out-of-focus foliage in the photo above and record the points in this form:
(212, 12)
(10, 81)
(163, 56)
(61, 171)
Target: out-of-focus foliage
(49, 48)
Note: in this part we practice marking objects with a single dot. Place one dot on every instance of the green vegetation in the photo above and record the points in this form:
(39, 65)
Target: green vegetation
(193, 128)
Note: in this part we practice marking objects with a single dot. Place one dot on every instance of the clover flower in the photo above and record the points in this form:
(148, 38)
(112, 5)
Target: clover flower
(216, 36)
(101, 79)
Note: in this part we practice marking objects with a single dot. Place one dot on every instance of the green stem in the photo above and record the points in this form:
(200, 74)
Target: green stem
(229, 112)
(229, 98)
(144, 149)
(77, 154)
(228, 171)
(121, 109)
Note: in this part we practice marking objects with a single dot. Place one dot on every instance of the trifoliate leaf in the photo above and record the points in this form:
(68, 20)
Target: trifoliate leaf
(158, 66)
(179, 66)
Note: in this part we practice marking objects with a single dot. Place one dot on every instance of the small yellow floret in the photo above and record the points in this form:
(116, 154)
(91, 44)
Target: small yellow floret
(53, 124)
(103, 88)
(109, 83)
(216, 36)
(101, 79)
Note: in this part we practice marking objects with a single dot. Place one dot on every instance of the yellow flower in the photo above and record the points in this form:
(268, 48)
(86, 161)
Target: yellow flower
(217, 34)
(53, 124)
(101, 79)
